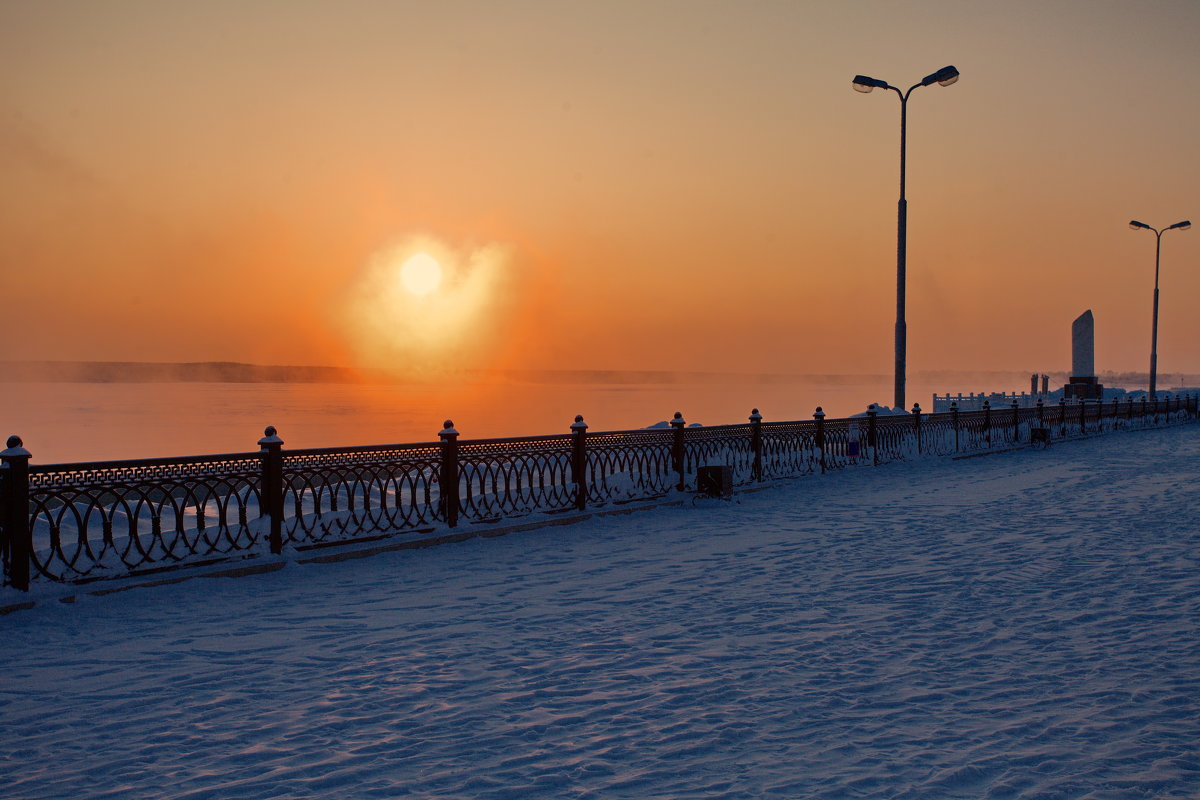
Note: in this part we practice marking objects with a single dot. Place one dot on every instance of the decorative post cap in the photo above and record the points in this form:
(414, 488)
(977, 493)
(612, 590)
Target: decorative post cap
(269, 437)
(954, 405)
(579, 424)
(987, 404)
(447, 431)
(755, 416)
(678, 421)
(872, 410)
(916, 408)
(15, 449)
(819, 413)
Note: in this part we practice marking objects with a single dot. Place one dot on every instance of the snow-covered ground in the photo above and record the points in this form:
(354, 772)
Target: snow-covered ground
(1025, 625)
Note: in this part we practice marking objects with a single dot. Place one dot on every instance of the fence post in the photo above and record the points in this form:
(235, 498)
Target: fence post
(579, 461)
(272, 486)
(1129, 411)
(1041, 407)
(448, 480)
(756, 444)
(1116, 412)
(987, 423)
(1082, 417)
(1016, 409)
(872, 413)
(916, 412)
(18, 538)
(954, 421)
(819, 416)
(1062, 417)
(677, 460)
(1143, 419)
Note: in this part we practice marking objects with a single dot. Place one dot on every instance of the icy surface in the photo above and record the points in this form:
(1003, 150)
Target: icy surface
(1023, 625)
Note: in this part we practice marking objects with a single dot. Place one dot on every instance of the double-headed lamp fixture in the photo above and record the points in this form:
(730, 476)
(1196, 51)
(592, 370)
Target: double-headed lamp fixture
(1178, 226)
(943, 77)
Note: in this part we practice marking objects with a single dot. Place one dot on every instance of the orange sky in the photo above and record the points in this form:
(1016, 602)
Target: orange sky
(647, 185)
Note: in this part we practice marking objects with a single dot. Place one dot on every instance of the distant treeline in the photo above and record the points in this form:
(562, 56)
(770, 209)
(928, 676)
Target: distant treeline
(235, 372)
(162, 372)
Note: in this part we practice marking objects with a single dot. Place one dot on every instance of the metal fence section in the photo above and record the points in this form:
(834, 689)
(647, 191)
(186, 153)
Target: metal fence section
(790, 448)
(631, 465)
(332, 494)
(501, 478)
(123, 516)
(79, 522)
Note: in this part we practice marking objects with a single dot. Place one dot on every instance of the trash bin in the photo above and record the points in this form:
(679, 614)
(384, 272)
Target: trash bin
(715, 480)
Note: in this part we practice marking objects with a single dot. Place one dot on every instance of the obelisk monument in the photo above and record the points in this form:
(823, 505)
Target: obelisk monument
(1083, 384)
(1083, 346)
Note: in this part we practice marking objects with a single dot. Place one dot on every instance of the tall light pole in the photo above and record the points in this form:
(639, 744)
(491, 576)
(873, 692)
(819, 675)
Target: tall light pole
(944, 76)
(1183, 226)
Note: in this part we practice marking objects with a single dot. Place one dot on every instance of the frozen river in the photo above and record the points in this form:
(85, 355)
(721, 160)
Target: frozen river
(100, 421)
(1023, 625)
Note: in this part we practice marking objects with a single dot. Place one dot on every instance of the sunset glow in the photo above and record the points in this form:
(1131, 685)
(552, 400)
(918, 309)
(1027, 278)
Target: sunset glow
(648, 172)
(420, 303)
(421, 274)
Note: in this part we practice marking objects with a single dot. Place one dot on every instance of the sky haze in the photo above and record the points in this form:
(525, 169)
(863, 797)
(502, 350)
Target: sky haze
(618, 185)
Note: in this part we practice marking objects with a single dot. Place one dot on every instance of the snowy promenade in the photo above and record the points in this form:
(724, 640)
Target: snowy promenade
(1024, 625)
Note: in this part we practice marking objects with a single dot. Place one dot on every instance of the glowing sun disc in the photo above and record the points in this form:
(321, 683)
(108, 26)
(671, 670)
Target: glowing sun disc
(421, 274)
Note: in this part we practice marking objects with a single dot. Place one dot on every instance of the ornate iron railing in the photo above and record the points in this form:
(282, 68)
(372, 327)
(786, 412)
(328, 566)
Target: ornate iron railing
(630, 465)
(99, 518)
(86, 521)
(338, 493)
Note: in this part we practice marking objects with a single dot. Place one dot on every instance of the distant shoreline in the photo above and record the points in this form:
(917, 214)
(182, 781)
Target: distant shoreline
(237, 372)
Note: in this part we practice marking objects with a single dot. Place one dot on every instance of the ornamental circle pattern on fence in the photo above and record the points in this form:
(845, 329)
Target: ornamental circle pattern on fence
(97, 520)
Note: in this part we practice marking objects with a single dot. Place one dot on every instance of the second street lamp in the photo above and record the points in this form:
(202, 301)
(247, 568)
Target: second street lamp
(1183, 226)
(944, 77)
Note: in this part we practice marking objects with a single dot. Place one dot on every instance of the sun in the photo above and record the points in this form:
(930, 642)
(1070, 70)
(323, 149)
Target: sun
(421, 274)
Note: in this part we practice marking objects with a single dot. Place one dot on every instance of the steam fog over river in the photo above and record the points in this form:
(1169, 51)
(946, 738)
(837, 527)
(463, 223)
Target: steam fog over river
(97, 421)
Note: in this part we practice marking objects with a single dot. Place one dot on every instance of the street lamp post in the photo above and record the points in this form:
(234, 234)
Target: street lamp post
(944, 77)
(1183, 226)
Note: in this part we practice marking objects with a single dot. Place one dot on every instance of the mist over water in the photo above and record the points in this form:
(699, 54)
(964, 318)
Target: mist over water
(61, 422)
